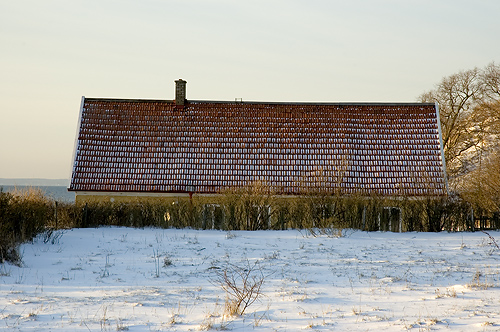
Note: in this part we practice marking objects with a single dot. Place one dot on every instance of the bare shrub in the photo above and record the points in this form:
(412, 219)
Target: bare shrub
(242, 285)
(248, 207)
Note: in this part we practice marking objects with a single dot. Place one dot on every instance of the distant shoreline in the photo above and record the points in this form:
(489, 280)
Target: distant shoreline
(36, 182)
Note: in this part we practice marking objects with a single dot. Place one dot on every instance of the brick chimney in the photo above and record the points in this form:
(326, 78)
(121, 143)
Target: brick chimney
(180, 92)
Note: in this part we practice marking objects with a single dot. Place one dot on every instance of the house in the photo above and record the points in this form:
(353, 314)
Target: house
(158, 148)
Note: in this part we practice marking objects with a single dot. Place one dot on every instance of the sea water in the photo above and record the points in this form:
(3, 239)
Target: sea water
(57, 193)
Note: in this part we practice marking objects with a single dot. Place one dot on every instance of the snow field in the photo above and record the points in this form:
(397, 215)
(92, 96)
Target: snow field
(122, 279)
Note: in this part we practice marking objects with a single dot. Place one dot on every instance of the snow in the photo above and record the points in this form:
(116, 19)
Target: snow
(123, 279)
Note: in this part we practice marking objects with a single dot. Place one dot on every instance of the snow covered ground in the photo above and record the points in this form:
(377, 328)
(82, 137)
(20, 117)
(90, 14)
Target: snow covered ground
(122, 279)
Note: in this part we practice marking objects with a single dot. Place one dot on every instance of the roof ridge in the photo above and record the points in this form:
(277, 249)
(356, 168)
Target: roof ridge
(251, 102)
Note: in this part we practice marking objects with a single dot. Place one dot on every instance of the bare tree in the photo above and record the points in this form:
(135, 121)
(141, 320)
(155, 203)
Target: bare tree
(469, 109)
(491, 80)
(481, 187)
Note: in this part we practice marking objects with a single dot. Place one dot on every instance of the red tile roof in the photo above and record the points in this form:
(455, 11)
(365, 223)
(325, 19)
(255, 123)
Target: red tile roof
(204, 147)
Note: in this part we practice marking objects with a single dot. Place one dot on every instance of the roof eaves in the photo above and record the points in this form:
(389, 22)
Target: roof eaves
(75, 143)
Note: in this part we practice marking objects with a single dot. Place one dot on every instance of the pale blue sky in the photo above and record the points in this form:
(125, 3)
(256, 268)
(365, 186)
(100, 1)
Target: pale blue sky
(52, 52)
